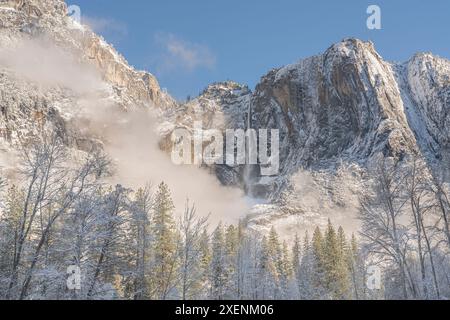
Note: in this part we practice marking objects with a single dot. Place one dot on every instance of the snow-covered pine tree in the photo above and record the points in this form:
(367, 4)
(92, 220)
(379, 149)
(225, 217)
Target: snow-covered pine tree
(265, 286)
(205, 261)
(139, 240)
(275, 263)
(285, 271)
(231, 250)
(336, 272)
(296, 254)
(218, 272)
(342, 270)
(242, 261)
(319, 266)
(306, 276)
(165, 245)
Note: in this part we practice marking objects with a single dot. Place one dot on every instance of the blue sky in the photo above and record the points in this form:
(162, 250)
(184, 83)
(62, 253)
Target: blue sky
(189, 44)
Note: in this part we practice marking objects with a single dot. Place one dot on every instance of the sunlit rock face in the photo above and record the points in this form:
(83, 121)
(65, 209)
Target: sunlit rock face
(346, 105)
(342, 105)
(43, 28)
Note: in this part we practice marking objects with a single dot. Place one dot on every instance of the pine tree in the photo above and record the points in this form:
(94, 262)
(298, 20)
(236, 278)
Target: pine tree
(296, 256)
(355, 267)
(336, 271)
(218, 276)
(231, 239)
(205, 259)
(231, 249)
(140, 232)
(285, 271)
(306, 277)
(342, 241)
(241, 260)
(318, 264)
(342, 269)
(275, 262)
(263, 270)
(331, 256)
(164, 246)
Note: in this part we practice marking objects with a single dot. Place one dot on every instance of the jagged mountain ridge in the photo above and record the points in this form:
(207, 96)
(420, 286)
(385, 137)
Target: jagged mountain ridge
(346, 105)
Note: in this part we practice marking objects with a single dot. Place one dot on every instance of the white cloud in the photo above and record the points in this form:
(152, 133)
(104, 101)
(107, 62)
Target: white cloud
(179, 53)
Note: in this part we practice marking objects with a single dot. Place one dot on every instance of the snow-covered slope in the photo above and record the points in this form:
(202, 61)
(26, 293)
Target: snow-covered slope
(426, 87)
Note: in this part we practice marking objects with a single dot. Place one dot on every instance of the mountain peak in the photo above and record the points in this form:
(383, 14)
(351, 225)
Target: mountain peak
(224, 87)
(36, 8)
(354, 43)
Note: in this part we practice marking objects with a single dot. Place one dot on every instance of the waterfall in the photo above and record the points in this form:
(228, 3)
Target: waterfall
(247, 173)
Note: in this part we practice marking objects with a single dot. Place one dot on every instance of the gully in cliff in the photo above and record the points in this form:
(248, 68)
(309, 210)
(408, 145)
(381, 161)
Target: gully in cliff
(241, 148)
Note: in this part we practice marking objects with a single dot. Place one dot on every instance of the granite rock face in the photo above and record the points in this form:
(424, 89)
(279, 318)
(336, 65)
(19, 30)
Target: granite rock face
(346, 105)
(39, 34)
